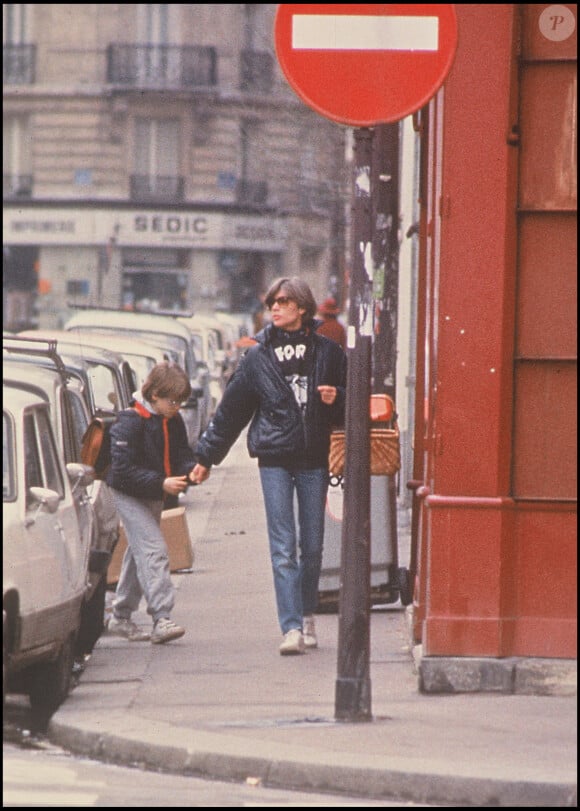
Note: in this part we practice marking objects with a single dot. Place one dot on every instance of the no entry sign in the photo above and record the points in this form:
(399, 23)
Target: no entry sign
(365, 64)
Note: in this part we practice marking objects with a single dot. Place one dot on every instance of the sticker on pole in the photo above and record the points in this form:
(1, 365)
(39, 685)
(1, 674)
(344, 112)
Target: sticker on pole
(363, 64)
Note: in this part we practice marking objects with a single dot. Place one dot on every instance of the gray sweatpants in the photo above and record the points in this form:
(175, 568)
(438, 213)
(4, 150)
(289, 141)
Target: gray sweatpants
(145, 567)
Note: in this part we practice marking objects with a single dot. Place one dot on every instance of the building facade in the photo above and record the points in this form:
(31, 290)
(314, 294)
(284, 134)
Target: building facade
(155, 157)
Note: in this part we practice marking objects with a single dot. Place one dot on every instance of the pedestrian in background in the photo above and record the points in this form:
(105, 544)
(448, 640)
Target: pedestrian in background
(151, 460)
(331, 326)
(291, 387)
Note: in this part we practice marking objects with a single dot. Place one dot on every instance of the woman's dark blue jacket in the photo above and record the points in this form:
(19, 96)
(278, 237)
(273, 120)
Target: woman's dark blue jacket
(278, 433)
(138, 451)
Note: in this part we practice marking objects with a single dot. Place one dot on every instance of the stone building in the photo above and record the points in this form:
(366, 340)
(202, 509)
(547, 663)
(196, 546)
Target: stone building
(155, 156)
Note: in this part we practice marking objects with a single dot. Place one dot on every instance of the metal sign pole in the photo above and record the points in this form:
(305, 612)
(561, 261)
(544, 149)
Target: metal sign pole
(353, 686)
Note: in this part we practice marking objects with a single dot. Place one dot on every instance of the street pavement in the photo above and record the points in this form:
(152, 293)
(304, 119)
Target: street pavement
(221, 702)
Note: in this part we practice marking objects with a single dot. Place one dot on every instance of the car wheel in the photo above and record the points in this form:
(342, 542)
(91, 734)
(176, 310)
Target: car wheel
(50, 683)
(92, 620)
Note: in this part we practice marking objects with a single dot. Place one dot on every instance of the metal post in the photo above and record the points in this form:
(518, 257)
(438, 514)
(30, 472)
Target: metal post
(385, 213)
(353, 686)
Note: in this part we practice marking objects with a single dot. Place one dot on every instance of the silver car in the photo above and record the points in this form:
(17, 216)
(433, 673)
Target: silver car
(45, 556)
(46, 375)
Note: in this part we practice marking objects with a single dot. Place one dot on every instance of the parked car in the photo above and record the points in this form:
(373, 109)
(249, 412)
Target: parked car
(206, 342)
(220, 331)
(70, 415)
(139, 354)
(166, 332)
(84, 348)
(45, 555)
(237, 328)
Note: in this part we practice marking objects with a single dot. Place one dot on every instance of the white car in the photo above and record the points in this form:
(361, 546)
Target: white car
(163, 331)
(98, 518)
(45, 555)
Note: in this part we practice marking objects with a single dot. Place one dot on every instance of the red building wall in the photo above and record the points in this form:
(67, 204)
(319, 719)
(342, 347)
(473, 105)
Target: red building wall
(496, 442)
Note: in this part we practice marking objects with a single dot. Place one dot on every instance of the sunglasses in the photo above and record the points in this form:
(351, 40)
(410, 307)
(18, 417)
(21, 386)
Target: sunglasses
(283, 301)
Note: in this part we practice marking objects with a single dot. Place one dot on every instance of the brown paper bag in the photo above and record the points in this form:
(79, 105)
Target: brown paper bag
(176, 533)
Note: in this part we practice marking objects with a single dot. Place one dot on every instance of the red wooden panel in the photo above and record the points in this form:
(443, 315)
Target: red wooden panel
(547, 286)
(550, 31)
(545, 430)
(548, 164)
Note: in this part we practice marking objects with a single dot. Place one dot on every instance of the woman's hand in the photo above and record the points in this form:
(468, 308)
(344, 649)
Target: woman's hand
(327, 394)
(199, 474)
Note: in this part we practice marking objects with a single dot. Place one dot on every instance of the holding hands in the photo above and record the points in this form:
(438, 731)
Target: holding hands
(199, 474)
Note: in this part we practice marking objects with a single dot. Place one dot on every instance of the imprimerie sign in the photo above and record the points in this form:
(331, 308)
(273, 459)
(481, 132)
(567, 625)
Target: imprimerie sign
(152, 228)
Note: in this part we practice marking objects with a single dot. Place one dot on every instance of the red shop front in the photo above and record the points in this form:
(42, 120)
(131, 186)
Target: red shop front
(495, 433)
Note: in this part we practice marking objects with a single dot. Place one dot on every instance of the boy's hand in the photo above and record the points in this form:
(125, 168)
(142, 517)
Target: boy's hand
(173, 485)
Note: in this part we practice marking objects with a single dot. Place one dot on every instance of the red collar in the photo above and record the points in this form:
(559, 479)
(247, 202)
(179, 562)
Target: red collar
(142, 411)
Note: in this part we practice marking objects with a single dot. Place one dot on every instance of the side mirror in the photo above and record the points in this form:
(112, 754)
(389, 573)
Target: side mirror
(44, 497)
(79, 474)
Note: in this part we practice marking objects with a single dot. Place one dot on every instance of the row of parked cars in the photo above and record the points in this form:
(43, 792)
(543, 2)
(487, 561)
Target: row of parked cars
(60, 523)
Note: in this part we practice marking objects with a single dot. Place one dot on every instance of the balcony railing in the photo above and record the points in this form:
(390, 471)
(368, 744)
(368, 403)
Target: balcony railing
(157, 189)
(16, 186)
(19, 64)
(252, 193)
(257, 71)
(162, 66)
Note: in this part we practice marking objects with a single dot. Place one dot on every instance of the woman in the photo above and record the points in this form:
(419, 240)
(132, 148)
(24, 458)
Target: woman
(291, 387)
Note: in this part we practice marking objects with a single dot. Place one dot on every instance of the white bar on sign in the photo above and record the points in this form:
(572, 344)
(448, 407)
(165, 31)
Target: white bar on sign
(348, 32)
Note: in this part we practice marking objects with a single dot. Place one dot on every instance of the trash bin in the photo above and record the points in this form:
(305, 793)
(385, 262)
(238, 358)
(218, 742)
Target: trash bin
(384, 586)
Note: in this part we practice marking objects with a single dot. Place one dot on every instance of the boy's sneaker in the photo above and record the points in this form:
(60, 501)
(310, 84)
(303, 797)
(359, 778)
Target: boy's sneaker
(127, 629)
(309, 631)
(165, 630)
(293, 643)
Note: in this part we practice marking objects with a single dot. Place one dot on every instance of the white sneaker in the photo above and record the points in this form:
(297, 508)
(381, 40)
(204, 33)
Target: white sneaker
(127, 629)
(293, 643)
(165, 630)
(309, 631)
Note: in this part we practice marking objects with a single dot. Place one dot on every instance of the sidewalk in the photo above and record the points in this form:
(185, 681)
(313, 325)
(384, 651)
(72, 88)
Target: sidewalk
(222, 703)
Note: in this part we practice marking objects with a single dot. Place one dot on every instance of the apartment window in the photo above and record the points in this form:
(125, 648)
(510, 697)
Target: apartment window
(252, 186)
(157, 159)
(154, 23)
(16, 159)
(19, 56)
(14, 23)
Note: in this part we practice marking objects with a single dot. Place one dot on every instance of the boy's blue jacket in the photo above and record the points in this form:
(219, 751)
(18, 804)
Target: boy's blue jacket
(138, 452)
(257, 392)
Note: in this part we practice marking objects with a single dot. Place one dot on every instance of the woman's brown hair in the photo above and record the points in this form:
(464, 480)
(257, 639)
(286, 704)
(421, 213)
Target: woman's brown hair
(297, 290)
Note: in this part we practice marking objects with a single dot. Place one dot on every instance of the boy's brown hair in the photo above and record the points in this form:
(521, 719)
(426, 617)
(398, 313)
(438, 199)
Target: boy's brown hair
(167, 380)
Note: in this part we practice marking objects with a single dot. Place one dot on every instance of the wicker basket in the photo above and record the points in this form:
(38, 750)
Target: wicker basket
(385, 452)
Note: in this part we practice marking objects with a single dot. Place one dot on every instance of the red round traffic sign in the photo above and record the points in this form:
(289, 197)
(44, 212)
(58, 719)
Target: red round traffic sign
(363, 63)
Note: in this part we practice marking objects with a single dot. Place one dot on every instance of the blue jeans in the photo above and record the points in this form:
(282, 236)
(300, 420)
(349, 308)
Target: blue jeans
(295, 581)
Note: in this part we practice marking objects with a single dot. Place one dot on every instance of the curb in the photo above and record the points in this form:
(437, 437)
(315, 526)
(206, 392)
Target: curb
(223, 757)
